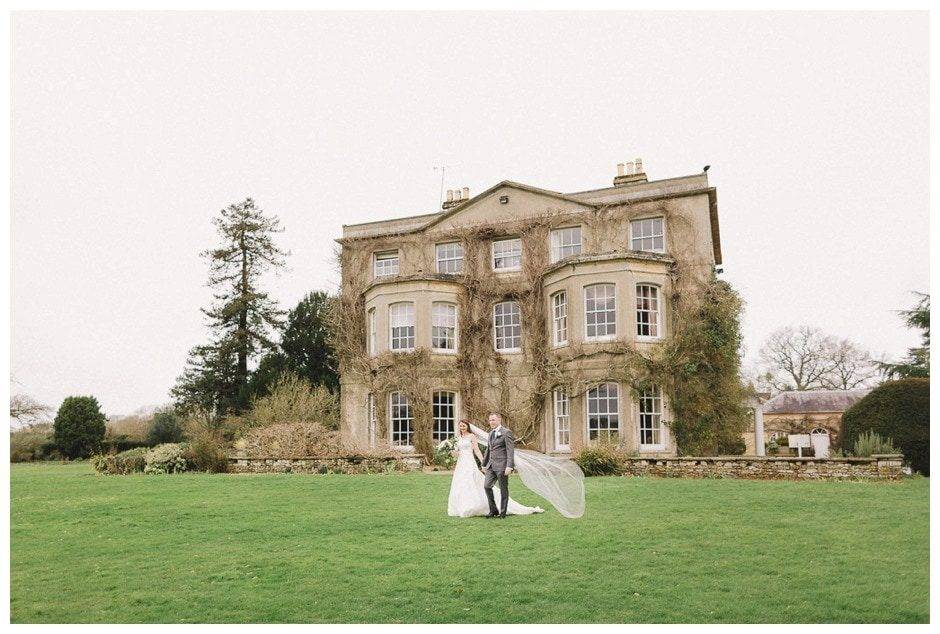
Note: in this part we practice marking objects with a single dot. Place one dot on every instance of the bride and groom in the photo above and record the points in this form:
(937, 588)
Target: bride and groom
(472, 493)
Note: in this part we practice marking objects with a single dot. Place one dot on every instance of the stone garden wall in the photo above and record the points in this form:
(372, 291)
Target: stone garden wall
(884, 467)
(346, 464)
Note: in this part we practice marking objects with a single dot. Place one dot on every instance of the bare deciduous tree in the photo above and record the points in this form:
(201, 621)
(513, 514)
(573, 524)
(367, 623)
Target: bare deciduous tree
(26, 410)
(806, 358)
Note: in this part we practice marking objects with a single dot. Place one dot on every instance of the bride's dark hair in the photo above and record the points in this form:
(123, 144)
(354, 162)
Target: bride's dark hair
(464, 421)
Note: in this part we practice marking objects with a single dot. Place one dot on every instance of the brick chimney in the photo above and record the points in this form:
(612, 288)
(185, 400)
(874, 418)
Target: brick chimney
(456, 197)
(630, 172)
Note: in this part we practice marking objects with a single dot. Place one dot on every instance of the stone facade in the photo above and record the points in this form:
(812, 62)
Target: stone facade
(607, 253)
(879, 467)
(346, 465)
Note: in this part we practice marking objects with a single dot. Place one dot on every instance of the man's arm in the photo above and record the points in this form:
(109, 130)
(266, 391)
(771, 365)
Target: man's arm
(510, 450)
(486, 457)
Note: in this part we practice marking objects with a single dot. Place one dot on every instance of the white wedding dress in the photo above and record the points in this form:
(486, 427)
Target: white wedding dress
(467, 497)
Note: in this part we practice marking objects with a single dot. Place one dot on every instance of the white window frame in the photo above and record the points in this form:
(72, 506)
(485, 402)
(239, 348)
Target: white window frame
(607, 336)
(393, 324)
(559, 318)
(393, 430)
(434, 324)
(373, 420)
(373, 345)
(609, 430)
(496, 329)
(385, 256)
(562, 244)
(561, 419)
(449, 260)
(513, 254)
(653, 395)
(658, 313)
(454, 415)
(652, 236)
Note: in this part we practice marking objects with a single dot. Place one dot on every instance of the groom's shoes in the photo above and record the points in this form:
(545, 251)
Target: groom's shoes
(501, 516)
(491, 515)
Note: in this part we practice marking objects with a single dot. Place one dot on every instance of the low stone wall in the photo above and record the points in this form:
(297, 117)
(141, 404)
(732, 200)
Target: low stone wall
(312, 464)
(884, 467)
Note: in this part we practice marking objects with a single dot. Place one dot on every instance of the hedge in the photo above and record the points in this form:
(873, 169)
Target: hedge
(899, 410)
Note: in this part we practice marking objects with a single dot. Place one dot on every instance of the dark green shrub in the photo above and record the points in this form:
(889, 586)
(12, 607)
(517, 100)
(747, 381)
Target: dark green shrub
(899, 410)
(600, 460)
(165, 427)
(79, 426)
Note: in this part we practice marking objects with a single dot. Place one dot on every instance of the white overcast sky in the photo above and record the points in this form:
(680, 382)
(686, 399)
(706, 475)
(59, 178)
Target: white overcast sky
(132, 130)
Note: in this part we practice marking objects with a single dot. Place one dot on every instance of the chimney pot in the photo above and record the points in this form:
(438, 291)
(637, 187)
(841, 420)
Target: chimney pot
(639, 166)
(450, 195)
(628, 168)
(466, 193)
(619, 169)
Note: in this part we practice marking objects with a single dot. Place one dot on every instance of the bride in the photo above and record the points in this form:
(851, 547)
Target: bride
(467, 497)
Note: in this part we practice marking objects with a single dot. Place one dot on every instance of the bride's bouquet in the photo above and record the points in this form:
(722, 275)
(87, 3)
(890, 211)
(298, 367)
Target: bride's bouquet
(443, 453)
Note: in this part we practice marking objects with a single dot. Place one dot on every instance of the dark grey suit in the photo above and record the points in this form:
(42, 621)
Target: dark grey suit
(500, 453)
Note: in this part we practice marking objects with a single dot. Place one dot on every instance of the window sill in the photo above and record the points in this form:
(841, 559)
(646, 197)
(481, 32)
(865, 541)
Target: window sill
(398, 350)
(644, 339)
(509, 350)
(604, 339)
(403, 447)
(513, 270)
(560, 344)
(443, 351)
(652, 448)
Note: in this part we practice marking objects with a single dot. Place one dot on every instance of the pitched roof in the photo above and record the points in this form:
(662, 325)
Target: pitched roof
(806, 401)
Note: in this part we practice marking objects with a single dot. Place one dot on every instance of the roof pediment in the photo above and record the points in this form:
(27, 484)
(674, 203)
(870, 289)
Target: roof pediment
(506, 201)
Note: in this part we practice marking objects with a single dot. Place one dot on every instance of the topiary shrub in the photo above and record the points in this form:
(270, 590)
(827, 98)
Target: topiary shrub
(899, 410)
(79, 426)
(600, 460)
(166, 458)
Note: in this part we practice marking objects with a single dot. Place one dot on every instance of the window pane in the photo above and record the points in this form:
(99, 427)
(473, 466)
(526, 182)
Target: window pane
(565, 243)
(386, 264)
(401, 321)
(507, 326)
(600, 311)
(651, 410)
(444, 326)
(444, 405)
(507, 254)
(559, 318)
(450, 258)
(562, 419)
(400, 420)
(603, 405)
(648, 235)
(647, 310)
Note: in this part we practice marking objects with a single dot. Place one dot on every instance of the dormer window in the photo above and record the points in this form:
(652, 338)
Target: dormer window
(386, 264)
(507, 254)
(565, 243)
(648, 234)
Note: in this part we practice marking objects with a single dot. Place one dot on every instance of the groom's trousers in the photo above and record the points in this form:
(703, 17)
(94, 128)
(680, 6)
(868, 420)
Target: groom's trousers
(492, 477)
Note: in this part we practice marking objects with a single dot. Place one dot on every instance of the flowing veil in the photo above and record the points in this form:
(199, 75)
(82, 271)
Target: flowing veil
(558, 480)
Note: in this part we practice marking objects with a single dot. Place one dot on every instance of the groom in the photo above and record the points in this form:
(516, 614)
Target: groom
(498, 462)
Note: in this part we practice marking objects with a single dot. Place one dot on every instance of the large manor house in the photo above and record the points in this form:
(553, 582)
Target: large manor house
(520, 300)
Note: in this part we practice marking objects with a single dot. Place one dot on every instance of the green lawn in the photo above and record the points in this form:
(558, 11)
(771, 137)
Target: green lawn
(289, 548)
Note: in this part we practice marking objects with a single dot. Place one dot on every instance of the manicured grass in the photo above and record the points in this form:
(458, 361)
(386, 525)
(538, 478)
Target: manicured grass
(289, 548)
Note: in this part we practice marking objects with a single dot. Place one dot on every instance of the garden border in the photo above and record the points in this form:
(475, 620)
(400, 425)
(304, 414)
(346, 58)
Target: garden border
(352, 464)
(880, 467)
